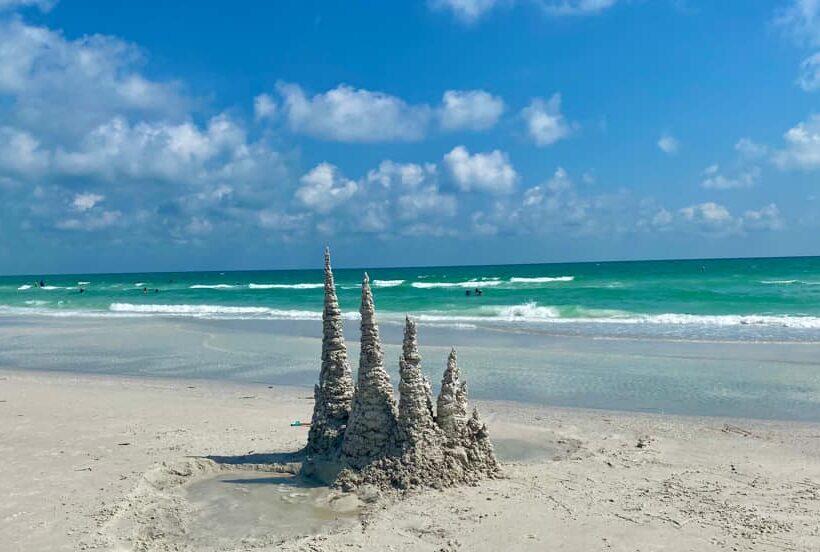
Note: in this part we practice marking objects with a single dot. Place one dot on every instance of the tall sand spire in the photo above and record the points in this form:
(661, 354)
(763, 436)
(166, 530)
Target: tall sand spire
(334, 393)
(416, 424)
(371, 429)
(452, 400)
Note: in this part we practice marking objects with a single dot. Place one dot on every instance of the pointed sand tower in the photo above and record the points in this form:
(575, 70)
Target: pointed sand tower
(416, 423)
(452, 400)
(334, 392)
(371, 429)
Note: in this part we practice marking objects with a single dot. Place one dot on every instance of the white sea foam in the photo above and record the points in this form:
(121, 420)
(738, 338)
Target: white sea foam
(541, 279)
(24, 287)
(532, 313)
(37, 303)
(285, 286)
(387, 283)
(210, 286)
(467, 284)
(220, 311)
(83, 283)
(789, 282)
(139, 284)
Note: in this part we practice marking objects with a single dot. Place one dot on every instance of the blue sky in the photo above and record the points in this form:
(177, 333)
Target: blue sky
(216, 135)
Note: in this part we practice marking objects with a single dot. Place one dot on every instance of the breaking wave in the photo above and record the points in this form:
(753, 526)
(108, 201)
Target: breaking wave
(535, 314)
(220, 311)
(789, 282)
(24, 287)
(467, 284)
(387, 283)
(285, 286)
(541, 279)
(211, 286)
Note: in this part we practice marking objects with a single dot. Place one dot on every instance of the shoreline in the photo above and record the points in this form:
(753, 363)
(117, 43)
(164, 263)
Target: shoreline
(102, 462)
(742, 380)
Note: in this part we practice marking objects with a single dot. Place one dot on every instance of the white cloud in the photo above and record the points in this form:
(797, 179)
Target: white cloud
(348, 114)
(91, 222)
(276, 220)
(264, 107)
(545, 123)
(470, 110)
(11, 5)
(714, 219)
(488, 172)
(716, 181)
(20, 152)
(801, 20)
(575, 7)
(426, 201)
(470, 11)
(668, 144)
(809, 77)
(748, 149)
(406, 175)
(802, 148)
(466, 11)
(65, 87)
(767, 218)
(85, 201)
(556, 204)
(324, 188)
(711, 217)
(174, 152)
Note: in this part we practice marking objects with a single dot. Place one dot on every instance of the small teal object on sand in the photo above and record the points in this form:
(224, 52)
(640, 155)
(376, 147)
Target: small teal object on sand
(298, 423)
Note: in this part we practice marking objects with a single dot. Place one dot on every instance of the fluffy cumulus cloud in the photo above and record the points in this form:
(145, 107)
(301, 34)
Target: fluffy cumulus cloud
(710, 218)
(544, 121)
(802, 146)
(22, 153)
(558, 205)
(82, 111)
(470, 110)
(489, 172)
(264, 107)
(64, 87)
(85, 201)
(715, 180)
(172, 152)
(392, 199)
(324, 188)
(668, 144)
(348, 114)
(401, 175)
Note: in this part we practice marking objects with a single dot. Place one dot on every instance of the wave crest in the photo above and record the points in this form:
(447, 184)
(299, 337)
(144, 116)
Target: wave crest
(467, 284)
(541, 279)
(387, 283)
(285, 286)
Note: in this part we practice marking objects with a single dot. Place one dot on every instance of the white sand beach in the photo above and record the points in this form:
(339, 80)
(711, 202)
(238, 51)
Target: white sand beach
(118, 463)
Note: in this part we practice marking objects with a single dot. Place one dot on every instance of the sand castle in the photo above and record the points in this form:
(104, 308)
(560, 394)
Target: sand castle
(360, 435)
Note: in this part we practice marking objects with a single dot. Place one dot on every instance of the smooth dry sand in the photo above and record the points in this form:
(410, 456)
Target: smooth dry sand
(111, 463)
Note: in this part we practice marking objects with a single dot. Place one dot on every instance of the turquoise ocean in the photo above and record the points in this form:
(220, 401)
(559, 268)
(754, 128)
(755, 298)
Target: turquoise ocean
(765, 299)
